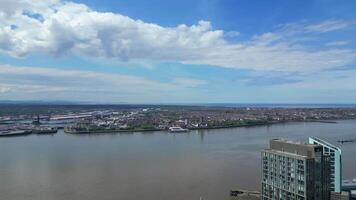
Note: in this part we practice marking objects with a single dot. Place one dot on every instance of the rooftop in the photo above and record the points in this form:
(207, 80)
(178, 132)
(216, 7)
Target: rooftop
(296, 148)
(324, 143)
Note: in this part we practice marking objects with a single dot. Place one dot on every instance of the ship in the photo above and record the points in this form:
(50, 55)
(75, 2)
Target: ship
(10, 133)
(45, 130)
(177, 129)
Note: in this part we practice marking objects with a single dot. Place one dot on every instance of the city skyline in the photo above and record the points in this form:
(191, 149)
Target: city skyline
(215, 51)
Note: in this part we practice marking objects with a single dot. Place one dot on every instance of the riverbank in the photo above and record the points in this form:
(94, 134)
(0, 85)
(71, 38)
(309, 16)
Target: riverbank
(255, 124)
(111, 131)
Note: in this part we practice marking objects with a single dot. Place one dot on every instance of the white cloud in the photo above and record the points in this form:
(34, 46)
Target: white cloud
(338, 43)
(232, 33)
(338, 83)
(4, 88)
(72, 28)
(188, 82)
(23, 82)
(35, 88)
(329, 25)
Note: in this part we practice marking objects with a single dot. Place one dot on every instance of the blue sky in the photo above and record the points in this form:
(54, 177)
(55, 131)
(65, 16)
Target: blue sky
(196, 51)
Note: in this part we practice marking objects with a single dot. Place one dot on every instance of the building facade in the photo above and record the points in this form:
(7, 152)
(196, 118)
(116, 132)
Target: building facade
(335, 162)
(339, 196)
(294, 171)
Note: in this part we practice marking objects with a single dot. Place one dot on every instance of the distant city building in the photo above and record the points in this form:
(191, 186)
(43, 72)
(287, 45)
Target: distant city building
(335, 162)
(295, 171)
(244, 195)
(350, 186)
(339, 196)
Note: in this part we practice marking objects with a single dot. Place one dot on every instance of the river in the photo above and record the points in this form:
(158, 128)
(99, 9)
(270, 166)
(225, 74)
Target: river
(151, 165)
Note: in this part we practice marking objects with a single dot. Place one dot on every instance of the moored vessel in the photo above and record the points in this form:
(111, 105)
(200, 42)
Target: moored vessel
(45, 130)
(10, 133)
(177, 129)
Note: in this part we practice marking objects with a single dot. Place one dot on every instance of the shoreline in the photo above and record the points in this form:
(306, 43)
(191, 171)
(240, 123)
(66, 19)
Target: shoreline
(204, 128)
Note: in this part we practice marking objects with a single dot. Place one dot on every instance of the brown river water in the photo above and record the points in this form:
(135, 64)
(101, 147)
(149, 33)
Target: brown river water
(150, 166)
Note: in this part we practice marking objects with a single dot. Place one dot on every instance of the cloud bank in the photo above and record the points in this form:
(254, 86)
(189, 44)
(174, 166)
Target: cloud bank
(62, 28)
(22, 82)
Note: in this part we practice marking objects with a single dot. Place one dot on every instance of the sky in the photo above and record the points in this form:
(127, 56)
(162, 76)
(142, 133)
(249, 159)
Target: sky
(187, 51)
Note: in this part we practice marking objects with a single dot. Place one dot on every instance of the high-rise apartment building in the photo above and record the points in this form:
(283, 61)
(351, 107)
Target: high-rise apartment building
(335, 162)
(295, 171)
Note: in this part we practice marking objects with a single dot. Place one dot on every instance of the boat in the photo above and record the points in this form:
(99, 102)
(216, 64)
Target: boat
(177, 129)
(45, 130)
(10, 133)
(346, 141)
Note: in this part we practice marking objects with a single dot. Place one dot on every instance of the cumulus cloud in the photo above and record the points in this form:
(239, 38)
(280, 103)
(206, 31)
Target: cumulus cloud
(61, 27)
